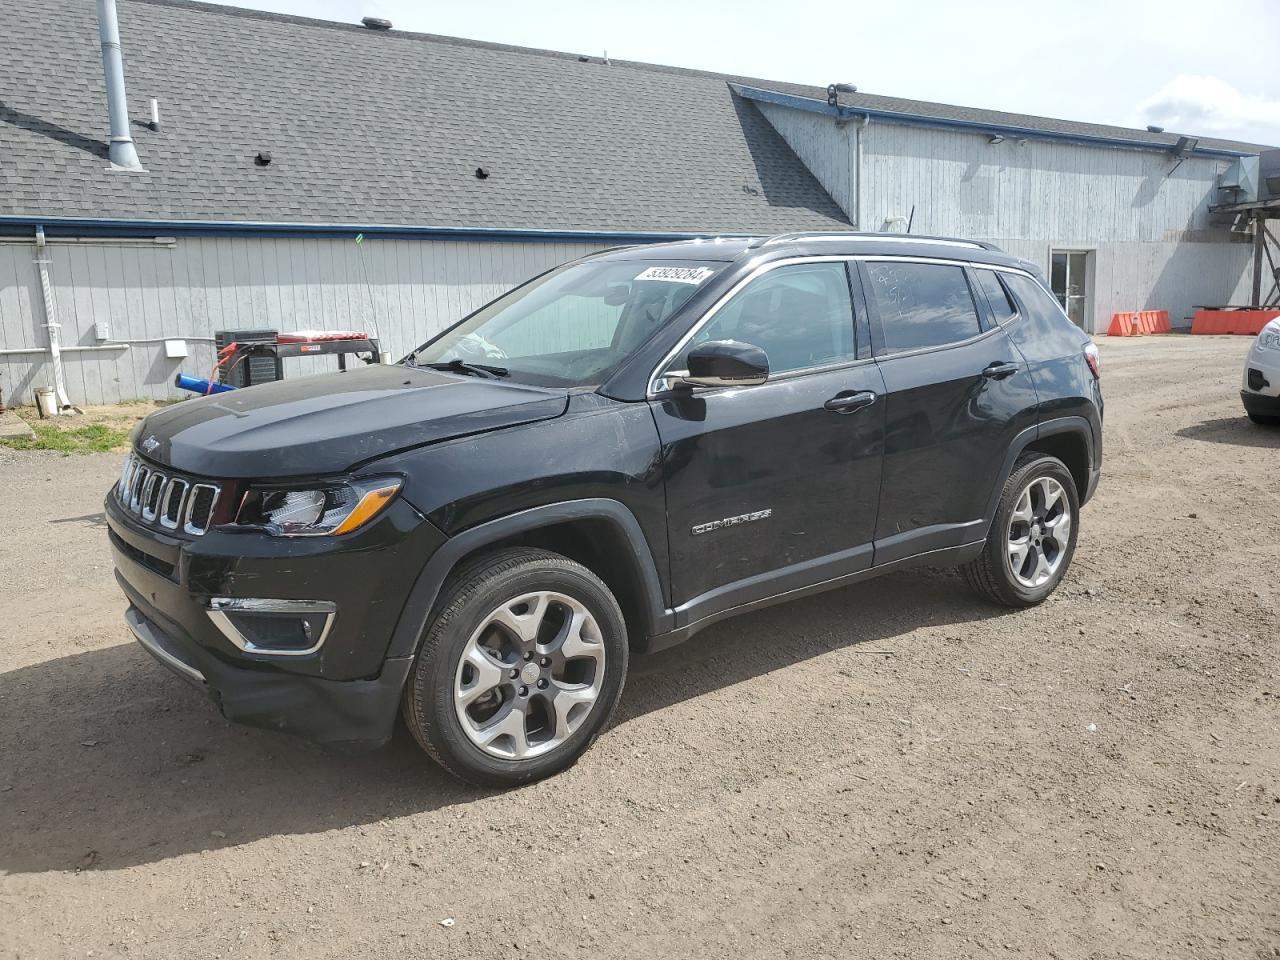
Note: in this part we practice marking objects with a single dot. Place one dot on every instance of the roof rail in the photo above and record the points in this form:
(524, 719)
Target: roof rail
(820, 235)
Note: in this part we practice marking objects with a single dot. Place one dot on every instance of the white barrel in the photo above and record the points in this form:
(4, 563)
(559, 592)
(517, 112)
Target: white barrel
(45, 403)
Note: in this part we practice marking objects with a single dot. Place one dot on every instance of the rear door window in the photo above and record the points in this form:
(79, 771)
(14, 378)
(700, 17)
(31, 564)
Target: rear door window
(920, 305)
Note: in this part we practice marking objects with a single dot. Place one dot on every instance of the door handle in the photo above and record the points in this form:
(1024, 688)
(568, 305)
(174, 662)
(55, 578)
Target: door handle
(998, 370)
(846, 401)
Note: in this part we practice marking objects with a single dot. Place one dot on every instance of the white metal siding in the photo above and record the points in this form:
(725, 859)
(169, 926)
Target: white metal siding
(961, 184)
(400, 290)
(1146, 221)
(825, 148)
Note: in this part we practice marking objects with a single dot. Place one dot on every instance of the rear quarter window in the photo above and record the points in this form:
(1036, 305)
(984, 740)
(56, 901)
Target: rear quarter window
(1044, 332)
(920, 305)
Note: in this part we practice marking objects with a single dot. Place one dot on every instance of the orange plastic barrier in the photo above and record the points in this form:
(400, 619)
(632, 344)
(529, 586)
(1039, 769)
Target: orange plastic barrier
(1137, 323)
(1239, 322)
(1122, 325)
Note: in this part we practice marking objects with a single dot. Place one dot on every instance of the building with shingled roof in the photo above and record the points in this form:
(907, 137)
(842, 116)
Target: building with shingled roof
(310, 174)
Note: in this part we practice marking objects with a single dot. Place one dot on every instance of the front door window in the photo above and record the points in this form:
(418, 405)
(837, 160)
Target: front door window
(799, 315)
(1069, 277)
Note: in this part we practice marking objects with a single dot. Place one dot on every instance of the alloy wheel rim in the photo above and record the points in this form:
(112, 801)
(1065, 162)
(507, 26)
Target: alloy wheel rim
(529, 675)
(1039, 532)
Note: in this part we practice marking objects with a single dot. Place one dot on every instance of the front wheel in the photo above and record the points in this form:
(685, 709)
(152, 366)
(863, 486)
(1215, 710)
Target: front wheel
(519, 670)
(1033, 536)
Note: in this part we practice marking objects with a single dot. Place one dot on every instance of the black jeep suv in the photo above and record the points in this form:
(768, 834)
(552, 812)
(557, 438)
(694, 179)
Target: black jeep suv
(610, 457)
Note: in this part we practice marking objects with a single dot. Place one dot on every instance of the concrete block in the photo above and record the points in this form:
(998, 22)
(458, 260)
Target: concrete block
(13, 426)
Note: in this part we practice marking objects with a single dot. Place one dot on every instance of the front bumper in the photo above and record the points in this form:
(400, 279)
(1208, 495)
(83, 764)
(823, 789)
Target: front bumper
(345, 691)
(1260, 386)
(1261, 375)
(352, 714)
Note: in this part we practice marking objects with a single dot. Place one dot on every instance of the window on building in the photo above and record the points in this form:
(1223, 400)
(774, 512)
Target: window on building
(800, 316)
(921, 305)
(1002, 307)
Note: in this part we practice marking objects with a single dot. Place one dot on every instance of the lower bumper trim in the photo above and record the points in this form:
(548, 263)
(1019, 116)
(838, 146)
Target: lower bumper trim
(1095, 474)
(153, 641)
(1260, 404)
(344, 714)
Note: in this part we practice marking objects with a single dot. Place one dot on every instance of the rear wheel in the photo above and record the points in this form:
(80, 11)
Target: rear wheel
(520, 669)
(1032, 537)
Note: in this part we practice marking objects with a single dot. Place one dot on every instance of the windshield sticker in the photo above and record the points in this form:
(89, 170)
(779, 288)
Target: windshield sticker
(694, 275)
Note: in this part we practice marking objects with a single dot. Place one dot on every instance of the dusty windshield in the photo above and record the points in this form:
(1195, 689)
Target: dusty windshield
(572, 326)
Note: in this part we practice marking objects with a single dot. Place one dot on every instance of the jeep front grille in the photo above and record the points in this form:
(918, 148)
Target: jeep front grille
(171, 502)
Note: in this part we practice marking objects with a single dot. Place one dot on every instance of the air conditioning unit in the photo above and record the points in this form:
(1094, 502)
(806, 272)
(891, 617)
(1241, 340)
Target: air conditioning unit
(260, 365)
(1269, 175)
(1239, 183)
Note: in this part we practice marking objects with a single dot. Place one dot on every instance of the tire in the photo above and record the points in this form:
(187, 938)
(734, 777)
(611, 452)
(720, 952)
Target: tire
(546, 652)
(1263, 419)
(992, 573)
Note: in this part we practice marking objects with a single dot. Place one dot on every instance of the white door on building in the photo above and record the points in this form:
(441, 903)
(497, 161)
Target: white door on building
(1069, 278)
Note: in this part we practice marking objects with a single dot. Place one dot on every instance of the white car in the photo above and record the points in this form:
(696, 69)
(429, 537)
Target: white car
(1260, 390)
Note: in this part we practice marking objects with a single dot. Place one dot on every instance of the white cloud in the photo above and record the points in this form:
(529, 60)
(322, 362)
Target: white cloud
(1208, 106)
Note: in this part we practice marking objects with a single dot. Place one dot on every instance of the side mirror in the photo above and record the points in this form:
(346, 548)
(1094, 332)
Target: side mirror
(726, 363)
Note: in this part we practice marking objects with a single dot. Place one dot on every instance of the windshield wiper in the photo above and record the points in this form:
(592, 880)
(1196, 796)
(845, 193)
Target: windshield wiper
(460, 366)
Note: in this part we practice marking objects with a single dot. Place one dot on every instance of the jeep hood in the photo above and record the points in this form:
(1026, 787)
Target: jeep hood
(331, 422)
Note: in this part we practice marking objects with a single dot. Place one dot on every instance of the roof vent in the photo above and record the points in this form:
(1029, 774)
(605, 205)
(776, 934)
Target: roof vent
(1152, 128)
(263, 158)
(482, 173)
(376, 23)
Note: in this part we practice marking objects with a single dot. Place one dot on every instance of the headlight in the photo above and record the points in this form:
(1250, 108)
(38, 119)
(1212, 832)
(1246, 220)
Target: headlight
(317, 511)
(1269, 339)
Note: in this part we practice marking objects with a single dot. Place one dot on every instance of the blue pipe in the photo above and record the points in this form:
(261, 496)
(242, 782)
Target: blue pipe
(199, 385)
(15, 224)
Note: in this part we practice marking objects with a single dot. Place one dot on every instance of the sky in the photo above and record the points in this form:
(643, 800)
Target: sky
(1124, 62)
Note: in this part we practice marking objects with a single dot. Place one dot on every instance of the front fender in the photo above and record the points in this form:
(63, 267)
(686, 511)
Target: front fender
(426, 589)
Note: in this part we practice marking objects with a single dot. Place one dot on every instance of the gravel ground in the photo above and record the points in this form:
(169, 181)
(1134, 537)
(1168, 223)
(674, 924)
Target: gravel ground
(892, 769)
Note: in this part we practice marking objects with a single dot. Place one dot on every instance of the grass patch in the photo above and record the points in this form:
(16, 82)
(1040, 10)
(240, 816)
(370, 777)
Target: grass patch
(93, 438)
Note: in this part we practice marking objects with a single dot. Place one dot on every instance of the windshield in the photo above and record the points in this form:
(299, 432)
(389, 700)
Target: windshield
(570, 327)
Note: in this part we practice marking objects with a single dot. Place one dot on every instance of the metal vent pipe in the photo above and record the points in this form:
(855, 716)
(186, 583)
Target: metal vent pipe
(122, 151)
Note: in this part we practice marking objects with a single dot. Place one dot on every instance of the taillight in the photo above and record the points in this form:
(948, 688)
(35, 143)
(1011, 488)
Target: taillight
(1092, 359)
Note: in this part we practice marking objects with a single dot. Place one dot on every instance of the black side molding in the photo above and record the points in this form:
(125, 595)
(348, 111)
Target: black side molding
(1049, 428)
(948, 556)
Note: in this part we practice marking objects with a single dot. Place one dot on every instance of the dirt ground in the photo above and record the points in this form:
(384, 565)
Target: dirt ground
(894, 769)
(121, 416)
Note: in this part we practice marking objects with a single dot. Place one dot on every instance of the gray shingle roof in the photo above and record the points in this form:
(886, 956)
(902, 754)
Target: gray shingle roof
(367, 127)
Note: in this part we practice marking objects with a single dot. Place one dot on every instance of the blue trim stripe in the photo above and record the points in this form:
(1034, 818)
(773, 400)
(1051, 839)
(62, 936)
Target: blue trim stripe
(842, 112)
(110, 227)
